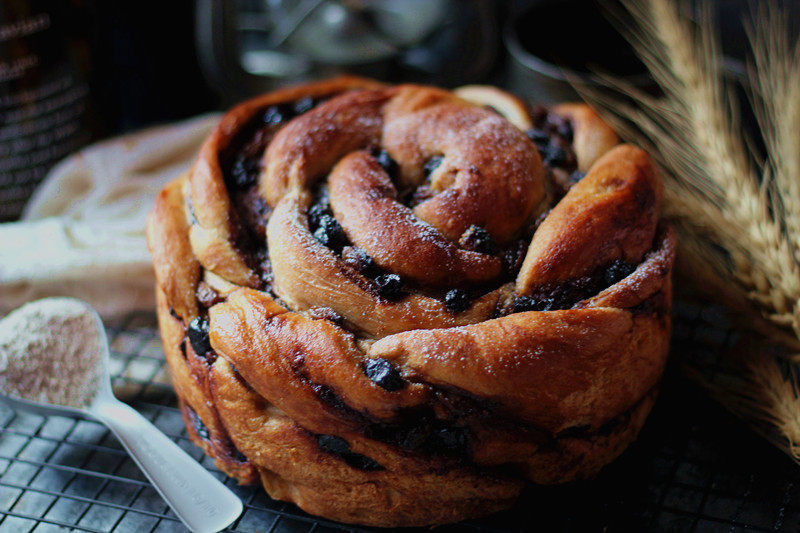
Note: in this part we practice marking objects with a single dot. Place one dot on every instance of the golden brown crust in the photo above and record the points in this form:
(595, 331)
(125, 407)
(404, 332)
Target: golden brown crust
(191, 387)
(506, 104)
(177, 270)
(578, 129)
(550, 369)
(434, 403)
(294, 468)
(610, 214)
(212, 236)
(300, 261)
(592, 137)
(364, 201)
(491, 175)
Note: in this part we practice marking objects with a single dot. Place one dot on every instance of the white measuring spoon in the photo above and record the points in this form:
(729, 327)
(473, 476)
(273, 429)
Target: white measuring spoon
(201, 501)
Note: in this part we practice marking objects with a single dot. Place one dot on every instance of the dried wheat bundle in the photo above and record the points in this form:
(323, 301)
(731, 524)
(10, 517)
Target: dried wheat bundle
(723, 205)
(738, 213)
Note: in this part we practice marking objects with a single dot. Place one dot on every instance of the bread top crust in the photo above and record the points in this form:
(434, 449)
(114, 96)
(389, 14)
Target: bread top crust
(523, 274)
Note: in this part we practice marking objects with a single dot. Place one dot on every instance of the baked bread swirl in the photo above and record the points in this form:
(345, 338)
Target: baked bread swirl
(393, 305)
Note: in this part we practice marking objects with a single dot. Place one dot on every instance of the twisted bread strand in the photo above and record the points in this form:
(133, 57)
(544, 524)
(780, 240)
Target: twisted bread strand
(367, 305)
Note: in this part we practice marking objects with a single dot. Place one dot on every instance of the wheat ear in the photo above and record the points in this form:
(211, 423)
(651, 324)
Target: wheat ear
(775, 75)
(713, 189)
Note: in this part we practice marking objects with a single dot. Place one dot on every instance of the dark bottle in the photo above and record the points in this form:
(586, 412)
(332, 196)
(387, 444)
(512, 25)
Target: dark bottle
(43, 95)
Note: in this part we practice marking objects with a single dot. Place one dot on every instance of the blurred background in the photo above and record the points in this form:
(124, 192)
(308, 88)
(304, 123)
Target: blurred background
(74, 71)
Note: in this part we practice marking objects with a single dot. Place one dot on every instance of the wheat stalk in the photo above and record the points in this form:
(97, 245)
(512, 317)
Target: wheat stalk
(737, 214)
(775, 72)
(714, 192)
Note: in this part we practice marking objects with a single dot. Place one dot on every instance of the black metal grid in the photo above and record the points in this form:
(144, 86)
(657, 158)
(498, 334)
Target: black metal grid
(694, 468)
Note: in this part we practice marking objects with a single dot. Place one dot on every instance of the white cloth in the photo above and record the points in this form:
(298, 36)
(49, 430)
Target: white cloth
(82, 233)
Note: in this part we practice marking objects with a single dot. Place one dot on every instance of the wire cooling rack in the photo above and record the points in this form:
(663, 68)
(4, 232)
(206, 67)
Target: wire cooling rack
(694, 467)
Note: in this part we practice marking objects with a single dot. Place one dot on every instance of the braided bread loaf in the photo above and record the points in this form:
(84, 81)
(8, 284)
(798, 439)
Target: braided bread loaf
(393, 305)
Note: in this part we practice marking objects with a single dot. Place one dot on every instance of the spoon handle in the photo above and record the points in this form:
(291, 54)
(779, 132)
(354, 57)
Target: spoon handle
(202, 502)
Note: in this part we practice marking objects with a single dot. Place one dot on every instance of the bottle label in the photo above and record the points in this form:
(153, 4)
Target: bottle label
(42, 107)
